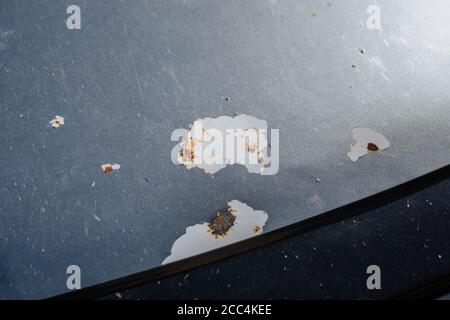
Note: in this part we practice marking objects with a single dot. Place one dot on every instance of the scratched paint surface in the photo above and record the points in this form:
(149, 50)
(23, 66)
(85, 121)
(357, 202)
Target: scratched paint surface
(135, 72)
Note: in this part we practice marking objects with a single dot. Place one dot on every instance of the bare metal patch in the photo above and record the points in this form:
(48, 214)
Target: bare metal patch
(222, 223)
(238, 222)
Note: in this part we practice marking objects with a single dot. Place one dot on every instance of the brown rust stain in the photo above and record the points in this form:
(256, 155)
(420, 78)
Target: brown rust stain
(256, 229)
(222, 223)
(372, 147)
(108, 169)
(250, 148)
(187, 154)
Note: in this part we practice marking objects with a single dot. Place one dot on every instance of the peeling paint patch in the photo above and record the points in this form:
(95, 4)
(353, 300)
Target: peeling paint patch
(213, 143)
(109, 168)
(366, 140)
(57, 122)
(238, 222)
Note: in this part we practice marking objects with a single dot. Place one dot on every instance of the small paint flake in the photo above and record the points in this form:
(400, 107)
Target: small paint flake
(109, 168)
(57, 122)
(366, 140)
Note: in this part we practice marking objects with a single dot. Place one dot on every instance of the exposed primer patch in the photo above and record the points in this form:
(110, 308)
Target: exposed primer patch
(57, 122)
(237, 223)
(366, 140)
(109, 168)
(213, 143)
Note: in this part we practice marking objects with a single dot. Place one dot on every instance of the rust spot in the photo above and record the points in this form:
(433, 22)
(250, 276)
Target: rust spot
(222, 223)
(250, 148)
(256, 229)
(108, 169)
(187, 153)
(372, 147)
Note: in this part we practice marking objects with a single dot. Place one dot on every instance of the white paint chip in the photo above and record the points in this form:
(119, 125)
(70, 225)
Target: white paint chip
(57, 122)
(201, 238)
(366, 140)
(109, 168)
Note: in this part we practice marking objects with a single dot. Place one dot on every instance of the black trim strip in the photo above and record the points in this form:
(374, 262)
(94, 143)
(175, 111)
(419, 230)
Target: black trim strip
(433, 290)
(333, 216)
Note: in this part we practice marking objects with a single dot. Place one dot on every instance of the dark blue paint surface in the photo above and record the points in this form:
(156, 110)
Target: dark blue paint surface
(135, 72)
